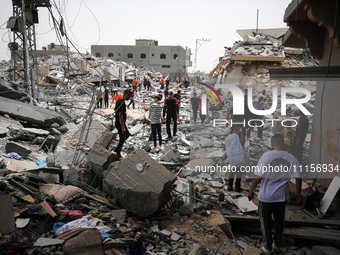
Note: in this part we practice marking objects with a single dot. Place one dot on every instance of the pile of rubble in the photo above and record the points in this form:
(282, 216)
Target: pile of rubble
(72, 194)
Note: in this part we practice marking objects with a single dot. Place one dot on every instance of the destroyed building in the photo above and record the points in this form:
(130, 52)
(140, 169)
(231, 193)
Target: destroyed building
(147, 53)
(314, 25)
(63, 190)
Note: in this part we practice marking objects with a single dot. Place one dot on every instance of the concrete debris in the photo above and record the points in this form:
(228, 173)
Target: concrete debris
(33, 114)
(324, 250)
(18, 148)
(137, 179)
(68, 153)
(172, 199)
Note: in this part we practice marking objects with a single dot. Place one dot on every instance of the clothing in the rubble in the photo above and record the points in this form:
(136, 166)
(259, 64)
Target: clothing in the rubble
(259, 105)
(99, 96)
(171, 110)
(120, 122)
(13, 155)
(85, 222)
(106, 97)
(274, 170)
(237, 156)
(195, 103)
(300, 136)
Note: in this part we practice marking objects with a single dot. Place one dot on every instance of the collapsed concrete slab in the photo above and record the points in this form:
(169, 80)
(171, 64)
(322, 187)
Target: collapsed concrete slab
(99, 160)
(11, 90)
(72, 150)
(30, 113)
(18, 148)
(139, 183)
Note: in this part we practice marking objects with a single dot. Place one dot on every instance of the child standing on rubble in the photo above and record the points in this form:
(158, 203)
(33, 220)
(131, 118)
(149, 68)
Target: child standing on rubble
(156, 119)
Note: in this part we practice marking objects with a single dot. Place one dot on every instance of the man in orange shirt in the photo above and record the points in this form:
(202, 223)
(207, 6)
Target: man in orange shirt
(115, 97)
(134, 84)
(162, 83)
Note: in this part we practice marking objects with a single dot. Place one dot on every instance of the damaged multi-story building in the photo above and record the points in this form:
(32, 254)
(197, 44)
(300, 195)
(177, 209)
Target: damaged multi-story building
(315, 25)
(147, 53)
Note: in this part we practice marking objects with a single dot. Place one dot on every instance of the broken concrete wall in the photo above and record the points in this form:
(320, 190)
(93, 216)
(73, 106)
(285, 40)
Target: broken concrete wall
(33, 114)
(11, 91)
(93, 132)
(139, 183)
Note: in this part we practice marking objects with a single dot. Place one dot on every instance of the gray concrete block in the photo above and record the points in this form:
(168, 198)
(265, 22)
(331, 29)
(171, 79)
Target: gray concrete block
(206, 142)
(95, 133)
(324, 250)
(119, 215)
(139, 183)
(30, 113)
(22, 150)
(169, 154)
(6, 214)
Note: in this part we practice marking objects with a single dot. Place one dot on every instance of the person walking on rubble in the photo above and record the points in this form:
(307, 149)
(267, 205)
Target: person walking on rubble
(195, 103)
(237, 156)
(162, 82)
(156, 119)
(145, 81)
(106, 97)
(134, 84)
(115, 97)
(300, 136)
(112, 87)
(172, 113)
(148, 84)
(120, 122)
(132, 101)
(99, 96)
(274, 191)
(139, 84)
(178, 97)
(166, 92)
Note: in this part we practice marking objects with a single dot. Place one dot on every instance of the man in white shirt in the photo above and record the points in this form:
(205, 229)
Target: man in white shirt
(274, 171)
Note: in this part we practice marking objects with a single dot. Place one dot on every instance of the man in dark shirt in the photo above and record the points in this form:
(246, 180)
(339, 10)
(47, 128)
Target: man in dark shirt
(120, 123)
(195, 103)
(178, 97)
(166, 92)
(300, 136)
(171, 109)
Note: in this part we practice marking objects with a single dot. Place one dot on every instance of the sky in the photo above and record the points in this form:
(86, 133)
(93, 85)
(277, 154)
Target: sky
(175, 22)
